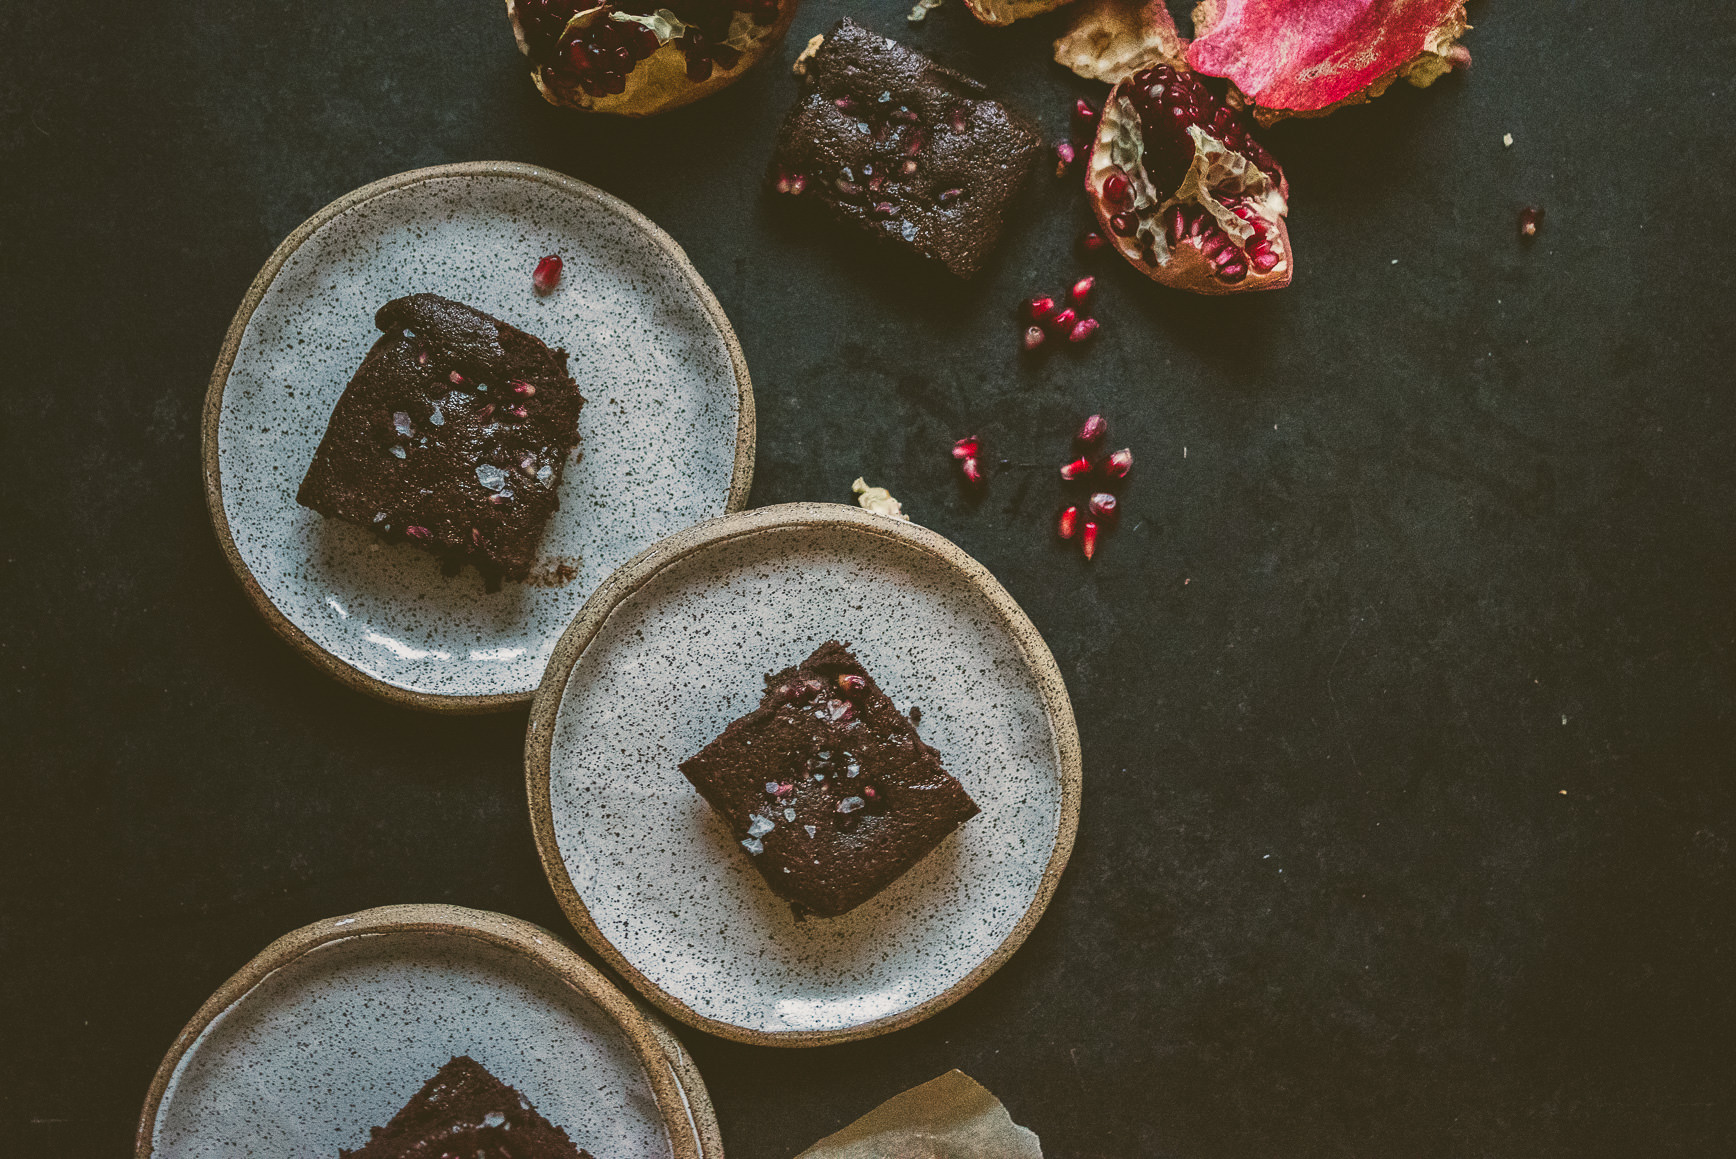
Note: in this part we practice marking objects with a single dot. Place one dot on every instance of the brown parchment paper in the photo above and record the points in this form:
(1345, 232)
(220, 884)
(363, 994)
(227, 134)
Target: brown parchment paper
(951, 1117)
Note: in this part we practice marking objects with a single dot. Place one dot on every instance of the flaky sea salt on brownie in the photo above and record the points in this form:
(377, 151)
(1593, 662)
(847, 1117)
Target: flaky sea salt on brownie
(827, 786)
(464, 1111)
(452, 435)
(898, 146)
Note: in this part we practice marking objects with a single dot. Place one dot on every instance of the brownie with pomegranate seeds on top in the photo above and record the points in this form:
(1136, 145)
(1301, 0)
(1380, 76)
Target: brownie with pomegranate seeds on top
(464, 1110)
(827, 786)
(452, 435)
(908, 151)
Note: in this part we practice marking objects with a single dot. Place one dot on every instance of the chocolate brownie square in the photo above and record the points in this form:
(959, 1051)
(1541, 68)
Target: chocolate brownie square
(827, 786)
(452, 435)
(911, 152)
(463, 1111)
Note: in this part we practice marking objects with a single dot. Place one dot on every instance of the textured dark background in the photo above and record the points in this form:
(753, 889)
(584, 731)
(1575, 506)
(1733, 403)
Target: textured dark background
(1406, 695)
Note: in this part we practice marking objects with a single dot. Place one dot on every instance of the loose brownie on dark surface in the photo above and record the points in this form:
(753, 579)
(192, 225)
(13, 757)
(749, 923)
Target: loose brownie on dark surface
(464, 1111)
(827, 786)
(913, 153)
(452, 435)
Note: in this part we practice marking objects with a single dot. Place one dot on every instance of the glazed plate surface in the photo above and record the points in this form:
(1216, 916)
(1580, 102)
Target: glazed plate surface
(666, 435)
(334, 1034)
(676, 646)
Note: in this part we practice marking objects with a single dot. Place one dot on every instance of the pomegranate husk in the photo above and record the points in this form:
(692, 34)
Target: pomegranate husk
(1305, 58)
(1184, 266)
(659, 82)
(1003, 12)
(1111, 39)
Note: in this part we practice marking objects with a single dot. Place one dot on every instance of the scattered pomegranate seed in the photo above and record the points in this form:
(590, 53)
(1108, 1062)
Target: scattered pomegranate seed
(1093, 242)
(456, 379)
(1082, 331)
(1529, 219)
(1034, 337)
(517, 412)
(1093, 429)
(1081, 288)
(1038, 309)
(783, 790)
(1075, 469)
(972, 470)
(965, 448)
(1119, 464)
(1062, 323)
(416, 531)
(519, 386)
(1089, 543)
(1103, 506)
(1068, 523)
(868, 791)
(1084, 111)
(1064, 158)
(548, 274)
(850, 682)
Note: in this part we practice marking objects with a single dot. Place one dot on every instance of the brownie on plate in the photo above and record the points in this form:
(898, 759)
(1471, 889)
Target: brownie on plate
(896, 145)
(827, 786)
(464, 1111)
(452, 435)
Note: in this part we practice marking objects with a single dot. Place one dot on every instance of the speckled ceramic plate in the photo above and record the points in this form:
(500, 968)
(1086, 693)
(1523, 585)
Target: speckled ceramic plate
(667, 435)
(332, 1028)
(675, 646)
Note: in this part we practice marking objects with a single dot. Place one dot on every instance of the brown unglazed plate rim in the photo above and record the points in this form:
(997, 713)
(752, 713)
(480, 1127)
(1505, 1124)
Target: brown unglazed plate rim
(642, 570)
(741, 480)
(682, 1099)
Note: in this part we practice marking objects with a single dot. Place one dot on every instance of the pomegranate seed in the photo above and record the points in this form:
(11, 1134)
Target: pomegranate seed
(965, 448)
(1118, 190)
(1034, 336)
(1083, 111)
(850, 682)
(421, 358)
(1081, 288)
(1068, 523)
(783, 790)
(1233, 271)
(1094, 428)
(1082, 331)
(547, 275)
(868, 791)
(1103, 506)
(517, 412)
(415, 531)
(1529, 219)
(1124, 224)
(1062, 323)
(1089, 543)
(1093, 241)
(1064, 158)
(456, 379)
(1077, 468)
(972, 470)
(1038, 309)
(500, 500)
(1119, 464)
(520, 386)
(845, 103)
(792, 183)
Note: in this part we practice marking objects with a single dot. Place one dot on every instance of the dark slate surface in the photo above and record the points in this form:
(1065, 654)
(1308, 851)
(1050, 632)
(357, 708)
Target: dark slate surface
(1406, 695)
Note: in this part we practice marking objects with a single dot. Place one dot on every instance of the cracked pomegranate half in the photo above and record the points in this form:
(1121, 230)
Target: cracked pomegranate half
(1183, 189)
(639, 57)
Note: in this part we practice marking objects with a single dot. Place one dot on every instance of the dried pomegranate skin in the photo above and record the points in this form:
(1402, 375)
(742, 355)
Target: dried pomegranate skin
(1184, 191)
(584, 57)
(1305, 58)
(1111, 38)
(997, 13)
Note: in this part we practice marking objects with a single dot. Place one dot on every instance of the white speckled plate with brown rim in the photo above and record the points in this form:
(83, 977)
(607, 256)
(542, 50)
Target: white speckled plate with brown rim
(667, 433)
(673, 647)
(331, 1029)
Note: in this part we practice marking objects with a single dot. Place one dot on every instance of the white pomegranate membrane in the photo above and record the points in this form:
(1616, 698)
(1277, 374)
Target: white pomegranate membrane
(1187, 194)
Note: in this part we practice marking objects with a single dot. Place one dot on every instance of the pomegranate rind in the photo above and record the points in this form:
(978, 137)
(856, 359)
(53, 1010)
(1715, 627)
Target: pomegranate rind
(1111, 39)
(659, 83)
(1306, 58)
(1000, 13)
(1118, 146)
